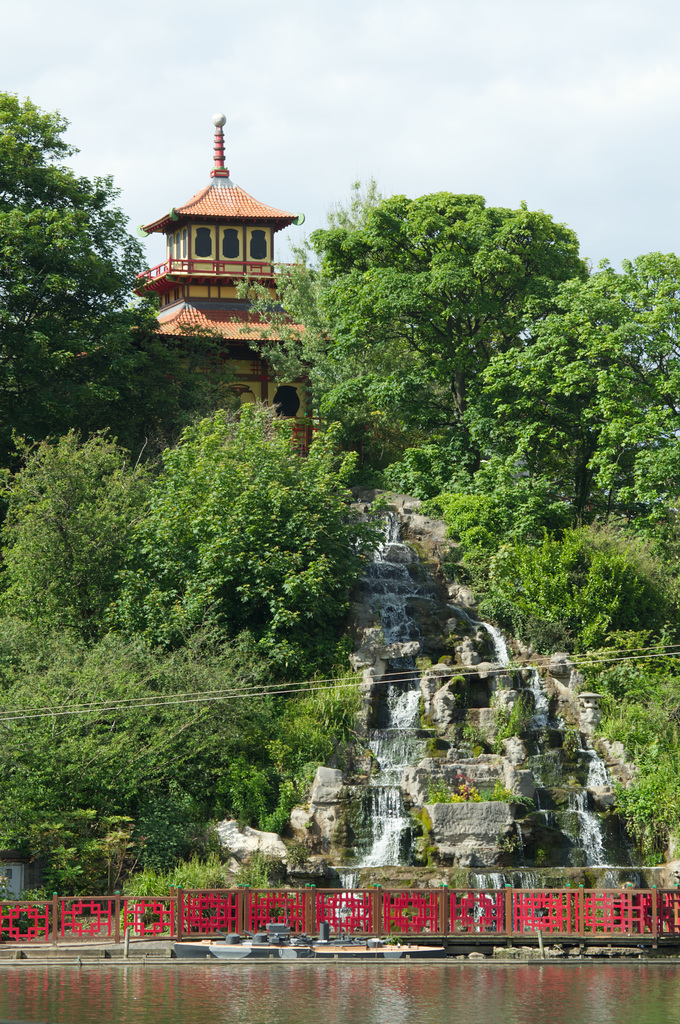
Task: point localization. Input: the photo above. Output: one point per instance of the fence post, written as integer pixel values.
(655, 918)
(172, 898)
(180, 913)
(310, 905)
(581, 912)
(55, 919)
(508, 912)
(116, 911)
(376, 910)
(444, 901)
(240, 927)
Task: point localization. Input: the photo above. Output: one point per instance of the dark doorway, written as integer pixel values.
(286, 400)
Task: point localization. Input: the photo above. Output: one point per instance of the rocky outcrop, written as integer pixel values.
(471, 834)
(325, 802)
(564, 671)
(590, 715)
(373, 654)
(241, 842)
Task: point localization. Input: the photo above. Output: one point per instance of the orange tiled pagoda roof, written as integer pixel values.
(227, 323)
(224, 201)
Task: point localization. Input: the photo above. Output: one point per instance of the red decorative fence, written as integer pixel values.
(643, 914)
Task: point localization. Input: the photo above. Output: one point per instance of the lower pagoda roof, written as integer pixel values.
(233, 325)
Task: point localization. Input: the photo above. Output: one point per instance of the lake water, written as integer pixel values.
(445, 993)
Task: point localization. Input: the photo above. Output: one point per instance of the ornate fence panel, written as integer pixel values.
(578, 913)
(149, 917)
(617, 912)
(347, 910)
(206, 912)
(87, 919)
(411, 910)
(24, 922)
(477, 910)
(551, 911)
(284, 905)
(668, 911)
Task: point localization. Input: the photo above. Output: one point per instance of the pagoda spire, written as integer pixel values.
(219, 170)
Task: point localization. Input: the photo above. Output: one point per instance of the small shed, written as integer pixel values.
(19, 872)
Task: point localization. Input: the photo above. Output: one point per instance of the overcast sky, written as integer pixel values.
(572, 106)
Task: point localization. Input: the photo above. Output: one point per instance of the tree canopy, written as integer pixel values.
(243, 534)
(75, 351)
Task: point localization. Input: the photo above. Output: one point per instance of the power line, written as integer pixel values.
(208, 696)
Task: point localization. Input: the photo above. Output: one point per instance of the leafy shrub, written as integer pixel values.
(243, 535)
(641, 710)
(591, 584)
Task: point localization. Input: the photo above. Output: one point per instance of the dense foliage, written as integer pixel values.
(243, 535)
(642, 711)
(461, 353)
(156, 746)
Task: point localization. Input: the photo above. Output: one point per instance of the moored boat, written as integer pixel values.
(277, 943)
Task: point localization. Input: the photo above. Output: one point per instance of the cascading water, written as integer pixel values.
(397, 744)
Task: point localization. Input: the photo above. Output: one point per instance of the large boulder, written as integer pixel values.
(467, 653)
(242, 842)
(471, 834)
(443, 707)
(483, 772)
(326, 788)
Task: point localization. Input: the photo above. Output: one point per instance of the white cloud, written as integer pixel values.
(570, 106)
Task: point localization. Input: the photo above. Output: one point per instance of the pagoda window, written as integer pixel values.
(203, 245)
(258, 245)
(231, 246)
(171, 246)
(184, 244)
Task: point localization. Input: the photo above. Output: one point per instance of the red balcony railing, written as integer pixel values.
(210, 268)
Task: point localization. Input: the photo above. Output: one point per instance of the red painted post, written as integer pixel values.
(173, 911)
(507, 922)
(444, 904)
(240, 914)
(655, 918)
(116, 911)
(180, 913)
(581, 911)
(376, 910)
(55, 920)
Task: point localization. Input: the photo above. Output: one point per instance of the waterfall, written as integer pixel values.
(396, 745)
(589, 829)
(489, 880)
(393, 587)
(500, 648)
(541, 705)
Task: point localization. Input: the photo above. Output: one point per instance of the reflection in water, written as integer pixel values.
(447, 993)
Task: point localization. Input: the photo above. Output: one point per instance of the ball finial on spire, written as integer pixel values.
(219, 170)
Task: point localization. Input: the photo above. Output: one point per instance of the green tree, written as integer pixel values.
(71, 512)
(74, 352)
(436, 286)
(245, 535)
(592, 403)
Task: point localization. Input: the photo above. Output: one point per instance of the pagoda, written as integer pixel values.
(215, 241)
